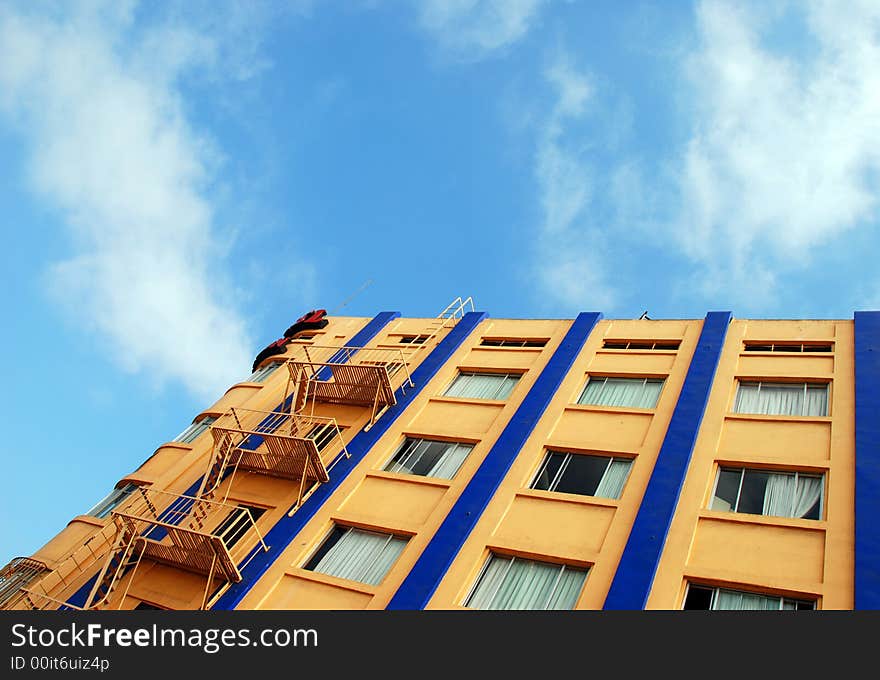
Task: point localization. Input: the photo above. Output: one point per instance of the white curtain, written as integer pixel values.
(449, 462)
(633, 392)
(361, 556)
(817, 400)
(511, 583)
(782, 399)
(613, 479)
(482, 386)
(448, 457)
(790, 495)
(732, 599)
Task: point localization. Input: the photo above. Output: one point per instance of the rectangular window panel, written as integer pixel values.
(587, 475)
(413, 339)
(626, 392)
(357, 555)
(701, 597)
(639, 345)
(512, 342)
(789, 347)
(237, 523)
(262, 373)
(482, 385)
(190, 434)
(114, 498)
(322, 434)
(429, 458)
(517, 583)
(765, 492)
(782, 399)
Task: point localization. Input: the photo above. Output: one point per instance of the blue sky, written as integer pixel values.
(182, 180)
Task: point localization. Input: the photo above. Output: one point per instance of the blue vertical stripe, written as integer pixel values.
(287, 528)
(867, 426)
(638, 564)
(361, 338)
(435, 560)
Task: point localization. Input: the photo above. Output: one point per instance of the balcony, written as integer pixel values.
(285, 445)
(353, 376)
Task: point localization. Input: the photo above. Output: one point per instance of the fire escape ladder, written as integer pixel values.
(126, 554)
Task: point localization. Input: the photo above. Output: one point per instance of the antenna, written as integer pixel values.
(351, 297)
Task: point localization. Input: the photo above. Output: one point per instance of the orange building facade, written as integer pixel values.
(467, 462)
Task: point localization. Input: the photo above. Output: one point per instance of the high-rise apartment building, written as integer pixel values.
(470, 462)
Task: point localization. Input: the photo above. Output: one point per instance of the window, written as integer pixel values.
(482, 385)
(629, 392)
(114, 498)
(391, 367)
(782, 399)
(763, 492)
(17, 575)
(587, 475)
(514, 342)
(414, 339)
(322, 434)
(237, 523)
(191, 433)
(264, 372)
(789, 347)
(146, 606)
(700, 597)
(642, 344)
(357, 555)
(517, 583)
(429, 458)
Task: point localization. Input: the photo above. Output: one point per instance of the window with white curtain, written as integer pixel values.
(782, 399)
(702, 597)
(190, 434)
(517, 583)
(357, 555)
(768, 492)
(587, 475)
(114, 498)
(472, 385)
(264, 372)
(627, 392)
(429, 458)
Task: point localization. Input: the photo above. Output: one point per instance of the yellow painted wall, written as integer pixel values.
(570, 529)
(795, 557)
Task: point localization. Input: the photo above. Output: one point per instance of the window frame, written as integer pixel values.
(569, 455)
(261, 374)
(510, 561)
(774, 471)
(104, 507)
(502, 381)
(667, 345)
(514, 343)
(716, 589)
(188, 439)
(806, 385)
(417, 441)
(758, 346)
(316, 556)
(605, 378)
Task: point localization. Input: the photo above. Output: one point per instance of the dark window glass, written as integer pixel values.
(751, 498)
(698, 598)
(582, 475)
(727, 490)
(549, 471)
(331, 540)
(237, 524)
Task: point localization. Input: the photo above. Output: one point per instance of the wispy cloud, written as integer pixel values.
(473, 29)
(785, 151)
(571, 247)
(112, 150)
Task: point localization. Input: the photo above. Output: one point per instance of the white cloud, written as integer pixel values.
(476, 28)
(110, 148)
(571, 248)
(786, 150)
